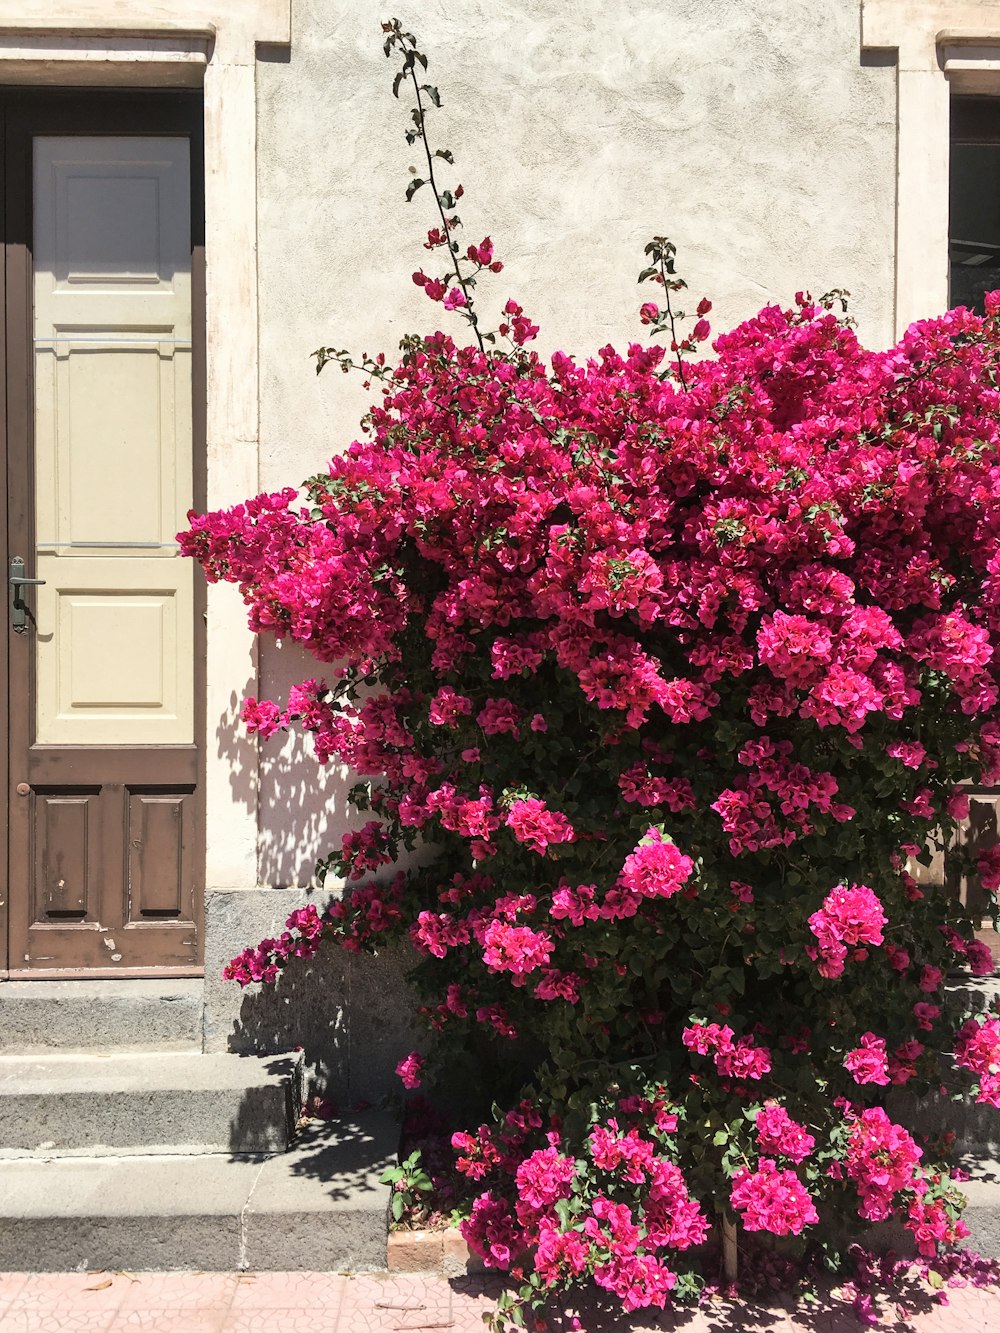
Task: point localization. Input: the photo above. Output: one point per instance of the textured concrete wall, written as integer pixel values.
(752, 133)
(350, 1012)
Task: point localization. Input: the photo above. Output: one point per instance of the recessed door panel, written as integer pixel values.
(67, 856)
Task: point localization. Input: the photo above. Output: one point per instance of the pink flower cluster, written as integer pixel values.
(624, 1245)
(533, 824)
(882, 1160)
(778, 1133)
(771, 807)
(739, 1058)
(977, 1048)
(848, 919)
(869, 1063)
(773, 1200)
(656, 868)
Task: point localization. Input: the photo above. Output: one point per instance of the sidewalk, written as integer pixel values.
(393, 1303)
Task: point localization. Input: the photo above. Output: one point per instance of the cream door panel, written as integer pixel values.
(112, 314)
(115, 646)
(113, 453)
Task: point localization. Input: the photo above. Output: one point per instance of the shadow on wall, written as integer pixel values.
(350, 1014)
(301, 806)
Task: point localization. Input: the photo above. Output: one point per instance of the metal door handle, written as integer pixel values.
(17, 581)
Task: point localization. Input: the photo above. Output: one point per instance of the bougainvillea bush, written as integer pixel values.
(674, 661)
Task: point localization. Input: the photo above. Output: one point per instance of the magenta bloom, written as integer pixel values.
(409, 1068)
(536, 826)
(656, 868)
(869, 1063)
(772, 1200)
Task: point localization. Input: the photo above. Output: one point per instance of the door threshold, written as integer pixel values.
(101, 973)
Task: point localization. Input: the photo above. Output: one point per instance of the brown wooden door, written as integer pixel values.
(104, 357)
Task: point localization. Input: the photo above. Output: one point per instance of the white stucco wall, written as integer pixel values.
(754, 134)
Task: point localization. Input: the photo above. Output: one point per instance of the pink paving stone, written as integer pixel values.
(53, 1321)
(173, 1291)
(83, 1292)
(291, 1321)
(169, 1321)
(288, 1291)
(396, 1303)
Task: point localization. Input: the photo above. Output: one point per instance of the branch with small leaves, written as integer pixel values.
(373, 367)
(459, 296)
(662, 269)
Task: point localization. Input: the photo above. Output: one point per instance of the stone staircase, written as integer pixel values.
(124, 1146)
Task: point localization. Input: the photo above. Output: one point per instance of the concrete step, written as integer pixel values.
(121, 1014)
(982, 1216)
(319, 1204)
(147, 1103)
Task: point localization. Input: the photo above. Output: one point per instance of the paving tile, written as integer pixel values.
(288, 1291)
(10, 1285)
(396, 1302)
(62, 1292)
(176, 1291)
(291, 1321)
(59, 1321)
(411, 1303)
(174, 1320)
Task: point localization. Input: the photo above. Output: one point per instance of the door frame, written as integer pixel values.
(69, 111)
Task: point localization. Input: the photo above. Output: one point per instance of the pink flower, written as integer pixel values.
(777, 1132)
(882, 1159)
(536, 826)
(977, 1048)
(492, 1232)
(910, 753)
(649, 312)
(515, 949)
(869, 1062)
(930, 978)
(655, 868)
(849, 917)
(482, 253)
(409, 1068)
(455, 299)
(772, 1200)
(543, 1177)
(988, 865)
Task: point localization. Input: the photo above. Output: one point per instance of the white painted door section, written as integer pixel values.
(112, 362)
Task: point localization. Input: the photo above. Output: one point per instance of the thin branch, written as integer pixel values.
(411, 65)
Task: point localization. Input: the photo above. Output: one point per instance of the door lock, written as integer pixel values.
(17, 581)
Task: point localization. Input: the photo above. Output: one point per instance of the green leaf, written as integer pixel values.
(398, 1206)
(413, 187)
(432, 93)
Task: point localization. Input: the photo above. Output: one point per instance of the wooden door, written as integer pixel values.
(104, 391)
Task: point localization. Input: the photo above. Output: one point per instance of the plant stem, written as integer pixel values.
(730, 1250)
(673, 326)
(444, 221)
